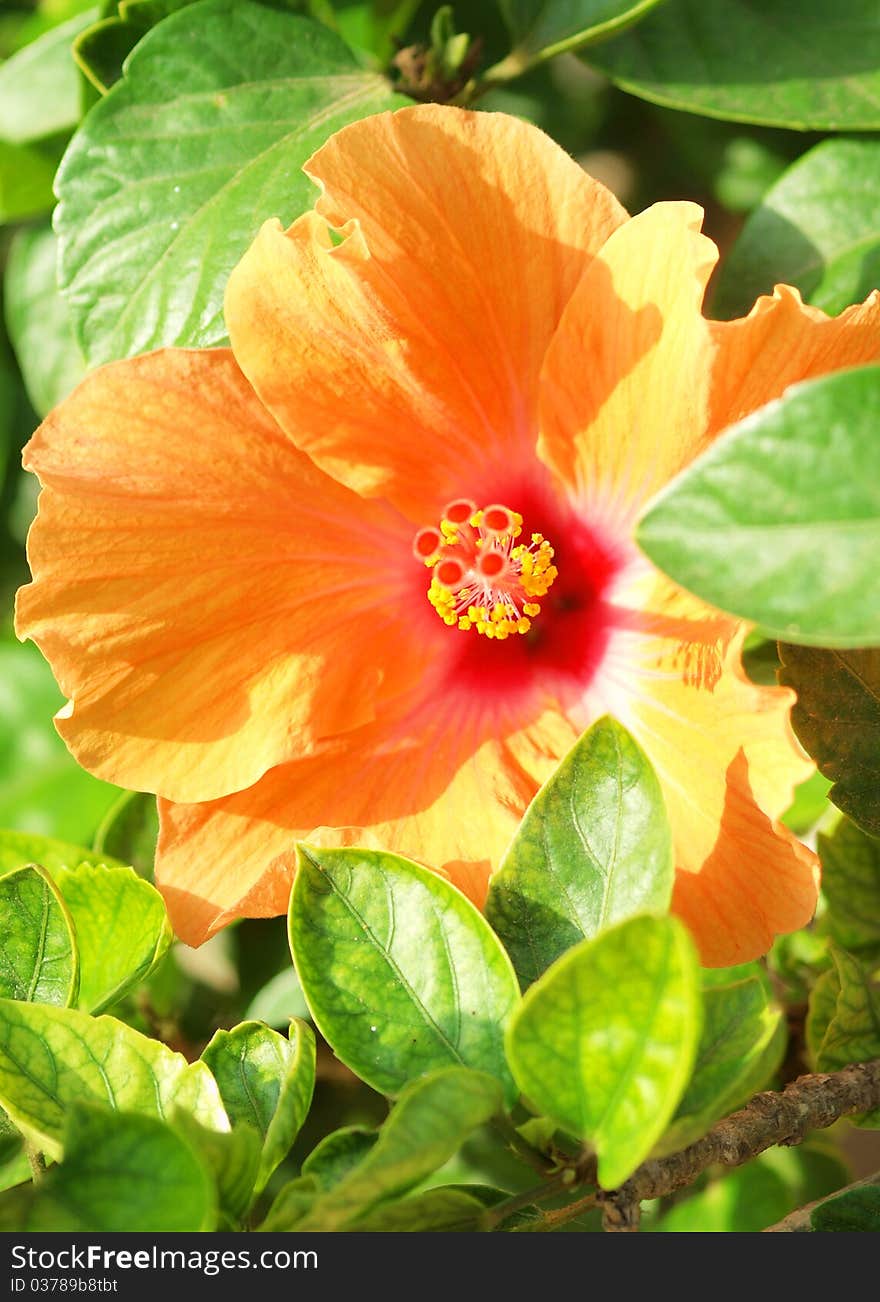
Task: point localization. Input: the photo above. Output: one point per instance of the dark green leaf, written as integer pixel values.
(122, 930)
(266, 1082)
(232, 1157)
(290, 1205)
(39, 85)
(818, 228)
(837, 719)
(605, 1040)
(851, 885)
(174, 171)
(337, 1154)
(52, 1058)
(38, 320)
(42, 788)
(102, 49)
(543, 28)
(129, 832)
(429, 1122)
(38, 952)
(401, 972)
(853, 1033)
(857, 1210)
(121, 1173)
(786, 63)
(796, 485)
(594, 848)
(733, 1058)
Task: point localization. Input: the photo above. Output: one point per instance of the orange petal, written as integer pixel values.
(624, 390)
(405, 360)
(200, 587)
(442, 797)
(728, 764)
(783, 341)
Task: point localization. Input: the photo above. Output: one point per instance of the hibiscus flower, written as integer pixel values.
(366, 576)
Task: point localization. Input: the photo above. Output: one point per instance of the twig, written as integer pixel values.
(809, 1103)
(566, 1179)
(37, 1162)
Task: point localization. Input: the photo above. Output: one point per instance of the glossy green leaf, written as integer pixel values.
(856, 1211)
(594, 848)
(279, 1000)
(122, 930)
(52, 1058)
(837, 719)
(851, 885)
(42, 788)
(39, 85)
(266, 1082)
(130, 830)
(543, 28)
(337, 1154)
(853, 1033)
(605, 1040)
(20, 848)
(121, 1173)
(817, 228)
(38, 320)
(733, 1059)
(796, 487)
(231, 1157)
(429, 1122)
(38, 952)
(401, 972)
(174, 171)
(786, 63)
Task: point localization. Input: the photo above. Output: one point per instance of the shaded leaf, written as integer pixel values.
(594, 847)
(232, 1158)
(797, 484)
(401, 972)
(129, 832)
(853, 1033)
(851, 885)
(279, 1000)
(857, 1210)
(543, 28)
(38, 951)
(337, 1154)
(605, 1040)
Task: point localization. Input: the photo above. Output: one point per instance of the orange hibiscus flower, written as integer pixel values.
(367, 576)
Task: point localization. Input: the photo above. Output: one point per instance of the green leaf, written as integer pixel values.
(821, 1009)
(173, 172)
(401, 972)
(265, 1081)
(544, 28)
(122, 930)
(429, 1122)
(337, 1154)
(121, 1173)
(279, 1000)
(38, 952)
(853, 1033)
(372, 25)
(733, 1059)
(39, 85)
(52, 1058)
(26, 176)
(837, 719)
(795, 486)
(290, 1205)
(594, 848)
(231, 1156)
(42, 788)
(605, 1040)
(785, 63)
(38, 320)
(857, 1210)
(436, 1211)
(851, 885)
(20, 848)
(818, 228)
(130, 830)
(101, 50)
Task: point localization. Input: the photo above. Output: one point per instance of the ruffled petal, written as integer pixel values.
(781, 342)
(405, 359)
(442, 796)
(728, 763)
(624, 391)
(210, 601)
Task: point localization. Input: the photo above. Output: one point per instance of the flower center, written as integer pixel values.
(483, 579)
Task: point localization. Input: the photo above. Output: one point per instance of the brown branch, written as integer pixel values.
(809, 1103)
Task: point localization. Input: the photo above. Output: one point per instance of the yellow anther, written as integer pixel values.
(531, 608)
(464, 623)
(523, 625)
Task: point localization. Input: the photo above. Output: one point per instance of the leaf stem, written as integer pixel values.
(37, 1162)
